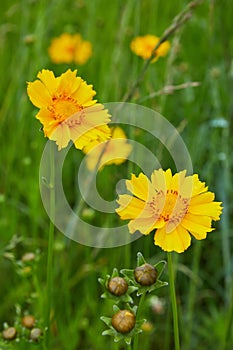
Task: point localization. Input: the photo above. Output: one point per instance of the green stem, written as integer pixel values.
(173, 300)
(141, 302)
(49, 286)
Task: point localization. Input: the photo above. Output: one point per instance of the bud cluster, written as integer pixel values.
(126, 321)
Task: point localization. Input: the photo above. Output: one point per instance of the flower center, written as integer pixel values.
(170, 207)
(150, 48)
(63, 107)
(171, 199)
(70, 49)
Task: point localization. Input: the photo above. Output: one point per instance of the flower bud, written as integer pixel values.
(28, 321)
(146, 275)
(123, 321)
(9, 333)
(147, 326)
(35, 334)
(117, 286)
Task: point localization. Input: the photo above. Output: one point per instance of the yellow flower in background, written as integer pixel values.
(143, 46)
(68, 48)
(176, 206)
(113, 151)
(67, 109)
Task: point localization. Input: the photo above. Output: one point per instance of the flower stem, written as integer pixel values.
(49, 285)
(141, 302)
(173, 300)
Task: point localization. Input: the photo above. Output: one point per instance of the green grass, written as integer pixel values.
(201, 51)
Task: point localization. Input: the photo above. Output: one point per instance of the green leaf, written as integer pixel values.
(160, 266)
(140, 259)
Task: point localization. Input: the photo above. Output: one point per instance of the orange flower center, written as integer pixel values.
(63, 107)
(171, 207)
(149, 48)
(70, 49)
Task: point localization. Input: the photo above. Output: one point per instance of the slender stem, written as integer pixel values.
(141, 302)
(173, 300)
(49, 286)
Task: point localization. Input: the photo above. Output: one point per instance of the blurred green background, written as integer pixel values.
(200, 51)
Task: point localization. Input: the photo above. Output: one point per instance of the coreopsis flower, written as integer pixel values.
(68, 48)
(143, 46)
(176, 206)
(67, 109)
(114, 151)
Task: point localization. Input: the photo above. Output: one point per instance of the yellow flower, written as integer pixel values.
(67, 109)
(69, 48)
(143, 46)
(176, 206)
(114, 151)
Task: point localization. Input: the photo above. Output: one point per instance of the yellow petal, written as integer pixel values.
(160, 179)
(38, 94)
(199, 235)
(61, 135)
(92, 126)
(163, 49)
(141, 224)
(196, 223)
(202, 198)
(118, 133)
(131, 207)
(212, 210)
(83, 52)
(198, 186)
(69, 83)
(48, 79)
(45, 118)
(187, 187)
(140, 187)
(85, 137)
(113, 151)
(178, 240)
(96, 116)
(84, 94)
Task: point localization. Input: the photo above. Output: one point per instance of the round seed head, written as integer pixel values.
(146, 275)
(28, 321)
(9, 333)
(35, 334)
(123, 321)
(117, 286)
